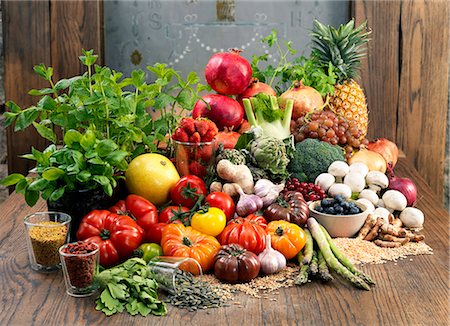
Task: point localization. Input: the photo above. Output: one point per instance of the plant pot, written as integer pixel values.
(78, 203)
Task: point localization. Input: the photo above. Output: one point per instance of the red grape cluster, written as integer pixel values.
(310, 191)
(325, 125)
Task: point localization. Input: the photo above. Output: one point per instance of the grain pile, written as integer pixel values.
(366, 252)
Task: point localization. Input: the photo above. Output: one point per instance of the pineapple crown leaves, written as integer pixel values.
(342, 47)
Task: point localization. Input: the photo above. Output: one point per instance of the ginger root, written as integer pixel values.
(374, 231)
(234, 173)
(387, 244)
(368, 225)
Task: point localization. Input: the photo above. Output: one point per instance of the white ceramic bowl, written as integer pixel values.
(340, 226)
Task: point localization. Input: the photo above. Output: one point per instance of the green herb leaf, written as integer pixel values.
(25, 118)
(105, 147)
(45, 132)
(38, 185)
(43, 71)
(21, 186)
(88, 140)
(13, 107)
(52, 174)
(31, 197)
(71, 137)
(57, 194)
(40, 157)
(11, 179)
(116, 157)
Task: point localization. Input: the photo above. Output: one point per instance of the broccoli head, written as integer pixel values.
(313, 157)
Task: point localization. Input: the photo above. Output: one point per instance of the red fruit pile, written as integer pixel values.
(310, 191)
(195, 131)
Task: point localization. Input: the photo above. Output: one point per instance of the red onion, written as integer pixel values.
(228, 73)
(404, 185)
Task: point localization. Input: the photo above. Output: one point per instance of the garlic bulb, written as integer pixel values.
(272, 261)
(267, 191)
(248, 204)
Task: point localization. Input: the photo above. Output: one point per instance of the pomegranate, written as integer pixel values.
(306, 99)
(386, 148)
(228, 73)
(255, 88)
(224, 111)
(227, 138)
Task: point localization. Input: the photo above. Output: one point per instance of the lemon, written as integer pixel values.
(151, 176)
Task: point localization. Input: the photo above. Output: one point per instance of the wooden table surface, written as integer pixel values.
(410, 292)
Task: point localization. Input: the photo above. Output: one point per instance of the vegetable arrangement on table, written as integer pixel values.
(242, 208)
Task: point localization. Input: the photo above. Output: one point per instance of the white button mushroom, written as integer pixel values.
(359, 167)
(339, 169)
(340, 189)
(412, 217)
(367, 203)
(325, 180)
(383, 213)
(355, 181)
(377, 180)
(369, 195)
(394, 200)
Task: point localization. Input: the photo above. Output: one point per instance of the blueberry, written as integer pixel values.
(327, 202)
(338, 209)
(330, 210)
(345, 205)
(339, 198)
(354, 210)
(319, 209)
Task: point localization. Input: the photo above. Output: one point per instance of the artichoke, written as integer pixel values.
(270, 154)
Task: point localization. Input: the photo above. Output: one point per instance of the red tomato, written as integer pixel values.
(171, 214)
(223, 201)
(154, 233)
(187, 191)
(249, 232)
(119, 208)
(116, 235)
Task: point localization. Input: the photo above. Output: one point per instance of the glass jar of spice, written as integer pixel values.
(46, 232)
(80, 264)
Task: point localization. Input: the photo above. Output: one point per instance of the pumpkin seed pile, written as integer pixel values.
(194, 294)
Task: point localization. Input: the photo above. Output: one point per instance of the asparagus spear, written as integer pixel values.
(332, 261)
(308, 249)
(324, 272)
(313, 268)
(344, 259)
(302, 277)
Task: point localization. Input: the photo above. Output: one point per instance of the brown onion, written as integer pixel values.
(373, 160)
(386, 148)
(306, 99)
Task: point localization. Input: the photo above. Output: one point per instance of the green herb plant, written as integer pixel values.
(291, 69)
(129, 287)
(97, 123)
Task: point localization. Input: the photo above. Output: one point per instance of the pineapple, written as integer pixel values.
(343, 48)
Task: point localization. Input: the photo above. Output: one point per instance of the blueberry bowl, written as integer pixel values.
(343, 225)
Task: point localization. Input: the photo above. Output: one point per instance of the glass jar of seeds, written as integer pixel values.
(46, 232)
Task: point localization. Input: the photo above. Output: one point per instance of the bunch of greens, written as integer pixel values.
(129, 287)
(85, 162)
(281, 77)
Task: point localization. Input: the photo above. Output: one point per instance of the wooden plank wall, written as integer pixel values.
(50, 32)
(405, 78)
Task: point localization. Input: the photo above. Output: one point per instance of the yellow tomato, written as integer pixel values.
(211, 222)
(151, 176)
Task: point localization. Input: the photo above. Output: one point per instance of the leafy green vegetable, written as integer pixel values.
(307, 70)
(312, 157)
(263, 111)
(129, 287)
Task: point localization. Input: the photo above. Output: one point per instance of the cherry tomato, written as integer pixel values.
(223, 201)
(187, 191)
(147, 251)
(211, 222)
(173, 214)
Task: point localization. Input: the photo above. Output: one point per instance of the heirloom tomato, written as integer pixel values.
(233, 264)
(187, 191)
(116, 235)
(154, 233)
(248, 232)
(288, 238)
(180, 241)
(210, 222)
(223, 201)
